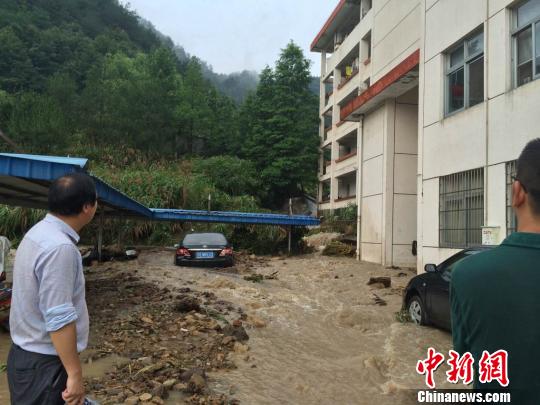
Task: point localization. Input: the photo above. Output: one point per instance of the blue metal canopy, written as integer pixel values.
(25, 180)
(233, 217)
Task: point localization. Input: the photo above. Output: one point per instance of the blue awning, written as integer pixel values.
(25, 180)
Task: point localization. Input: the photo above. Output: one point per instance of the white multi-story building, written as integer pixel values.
(369, 121)
(440, 103)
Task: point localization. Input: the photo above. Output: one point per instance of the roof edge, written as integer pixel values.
(326, 25)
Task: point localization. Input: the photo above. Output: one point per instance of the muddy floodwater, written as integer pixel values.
(319, 334)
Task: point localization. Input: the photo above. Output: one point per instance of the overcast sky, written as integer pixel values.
(233, 35)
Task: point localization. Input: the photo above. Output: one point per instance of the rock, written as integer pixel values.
(256, 321)
(186, 375)
(186, 304)
(226, 340)
(145, 397)
(158, 400)
(150, 369)
(241, 348)
(196, 384)
(134, 400)
(180, 387)
(168, 384)
(238, 332)
(145, 360)
(252, 256)
(237, 322)
(158, 391)
(378, 300)
(385, 281)
(147, 319)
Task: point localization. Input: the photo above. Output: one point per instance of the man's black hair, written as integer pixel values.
(528, 173)
(70, 193)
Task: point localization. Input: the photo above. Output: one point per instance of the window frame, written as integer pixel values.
(516, 30)
(465, 195)
(468, 59)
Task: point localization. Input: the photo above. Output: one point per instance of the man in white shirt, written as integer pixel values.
(49, 320)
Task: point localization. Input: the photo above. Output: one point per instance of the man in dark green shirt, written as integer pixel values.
(495, 295)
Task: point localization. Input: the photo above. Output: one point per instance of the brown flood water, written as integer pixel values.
(325, 340)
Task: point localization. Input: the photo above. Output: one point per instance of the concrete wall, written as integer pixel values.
(487, 135)
(395, 34)
(388, 202)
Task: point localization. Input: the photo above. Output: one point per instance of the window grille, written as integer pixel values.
(461, 209)
(511, 220)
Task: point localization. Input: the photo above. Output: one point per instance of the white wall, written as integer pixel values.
(395, 35)
(487, 135)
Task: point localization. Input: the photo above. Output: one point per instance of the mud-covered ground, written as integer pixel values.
(311, 332)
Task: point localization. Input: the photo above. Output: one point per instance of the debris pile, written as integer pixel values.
(169, 339)
(320, 240)
(336, 248)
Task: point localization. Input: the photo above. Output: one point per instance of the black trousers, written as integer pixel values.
(35, 379)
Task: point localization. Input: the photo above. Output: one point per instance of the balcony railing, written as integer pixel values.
(345, 198)
(345, 157)
(348, 79)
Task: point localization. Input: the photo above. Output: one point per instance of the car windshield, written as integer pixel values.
(447, 271)
(205, 239)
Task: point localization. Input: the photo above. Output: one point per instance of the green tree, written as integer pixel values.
(134, 101)
(194, 109)
(38, 122)
(231, 175)
(280, 123)
(15, 64)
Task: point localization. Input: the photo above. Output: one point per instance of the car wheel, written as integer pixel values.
(417, 311)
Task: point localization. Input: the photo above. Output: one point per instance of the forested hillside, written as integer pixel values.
(88, 78)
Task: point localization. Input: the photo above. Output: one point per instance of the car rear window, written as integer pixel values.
(205, 239)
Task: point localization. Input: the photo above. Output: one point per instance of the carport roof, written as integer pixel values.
(25, 181)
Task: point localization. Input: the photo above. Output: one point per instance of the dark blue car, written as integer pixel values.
(204, 249)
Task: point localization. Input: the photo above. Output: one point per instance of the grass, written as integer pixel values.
(403, 316)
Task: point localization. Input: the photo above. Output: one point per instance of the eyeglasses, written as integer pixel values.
(528, 190)
(514, 178)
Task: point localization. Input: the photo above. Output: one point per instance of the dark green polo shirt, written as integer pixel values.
(495, 301)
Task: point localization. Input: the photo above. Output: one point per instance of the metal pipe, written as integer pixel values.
(100, 235)
(290, 227)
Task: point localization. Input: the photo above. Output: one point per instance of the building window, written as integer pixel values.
(465, 74)
(461, 209)
(365, 6)
(511, 219)
(526, 38)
